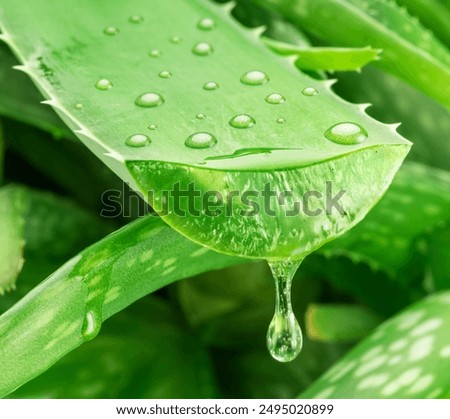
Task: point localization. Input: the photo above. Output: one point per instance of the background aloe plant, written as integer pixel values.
(135, 85)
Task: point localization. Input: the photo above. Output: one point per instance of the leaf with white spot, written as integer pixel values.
(403, 358)
(68, 308)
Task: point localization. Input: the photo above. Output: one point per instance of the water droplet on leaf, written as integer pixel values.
(284, 337)
(165, 74)
(79, 107)
(242, 121)
(281, 121)
(111, 30)
(275, 99)
(254, 78)
(91, 326)
(206, 24)
(200, 116)
(149, 100)
(175, 40)
(203, 49)
(211, 85)
(137, 140)
(152, 127)
(155, 53)
(309, 91)
(136, 19)
(201, 140)
(346, 133)
(103, 84)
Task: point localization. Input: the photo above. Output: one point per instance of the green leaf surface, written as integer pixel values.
(100, 281)
(326, 58)
(410, 51)
(417, 202)
(18, 91)
(433, 14)
(406, 357)
(11, 237)
(339, 322)
(150, 339)
(66, 58)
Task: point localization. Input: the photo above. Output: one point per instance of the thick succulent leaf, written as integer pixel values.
(326, 58)
(438, 247)
(409, 50)
(417, 202)
(68, 308)
(433, 14)
(39, 220)
(66, 58)
(339, 322)
(393, 100)
(112, 365)
(18, 91)
(406, 357)
(11, 236)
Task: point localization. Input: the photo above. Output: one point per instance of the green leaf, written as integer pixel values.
(404, 358)
(339, 322)
(416, 203)
(321, 58)
(433, 14)
(11, 237)
(438, 250)
(138, 354)
(39, 219)
(68, 308)
(18, 91)
(409, 50)
(67, 59)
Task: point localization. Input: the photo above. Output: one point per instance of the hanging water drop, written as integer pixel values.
(284, 337)
(91, 326)
(175, 40)
(155, 53)
(200, 116)
(201, 140)
(346, 133)
(211, 85)
(242, 121)
(254, 78)
(202, 49)
(149, 100)
(103, 84)
(165, 74)
(275, 99)
(309, 91)
(137, 140)
(206, 24)
(111, 30)
(136, 19)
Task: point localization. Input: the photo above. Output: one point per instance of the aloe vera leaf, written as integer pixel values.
(69, 164)
(326, 58)
(403, 358)
(150, 340)
(11, 237)
(438, 260)
(410, 51)
(339, 322)
(417, 202)
(393, 100)
(433, 14)
(2, 152)
(69, 82)
(18, 91)
(100, 281)
(36, 221)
